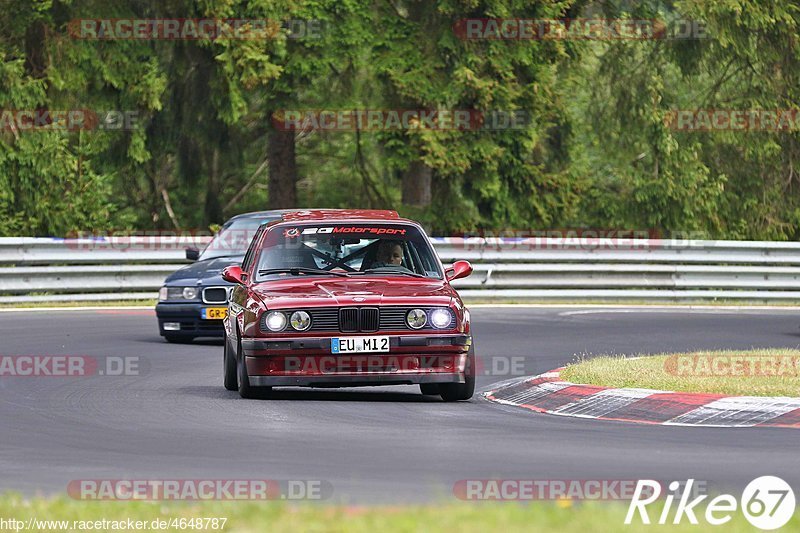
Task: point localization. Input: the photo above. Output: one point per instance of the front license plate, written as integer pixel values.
(359, 344)
(214, 313)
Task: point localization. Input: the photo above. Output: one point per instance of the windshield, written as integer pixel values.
(234, 238)
(347, 249)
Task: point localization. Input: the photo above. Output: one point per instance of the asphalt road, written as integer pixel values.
(376, 445)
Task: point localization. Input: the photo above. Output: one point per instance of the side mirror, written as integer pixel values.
(460, 269)
(233, 274)
(192, 254)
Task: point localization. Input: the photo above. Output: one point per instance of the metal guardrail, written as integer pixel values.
(51, 270)
(43, 251)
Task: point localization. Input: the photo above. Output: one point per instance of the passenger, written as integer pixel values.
(390, 253)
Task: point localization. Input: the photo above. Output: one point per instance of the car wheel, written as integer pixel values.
(429, 389)
(245, 389)
(454, 392)
(178, 339)
(229, 377)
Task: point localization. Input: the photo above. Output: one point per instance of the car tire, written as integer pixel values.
(178, 339)
(229, 377)
(455, 392)
(247, 391)
(429, 389)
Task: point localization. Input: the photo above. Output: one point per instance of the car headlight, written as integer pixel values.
(300, 320)
(177, 293)
(416, 318)
(441, 318)
(275, 321)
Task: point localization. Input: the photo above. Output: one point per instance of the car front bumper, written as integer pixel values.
(355, 380)
(308, 362)
(189, 316)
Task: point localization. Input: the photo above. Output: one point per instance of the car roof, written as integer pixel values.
(339, 214)
(275, 213)
(321, 214)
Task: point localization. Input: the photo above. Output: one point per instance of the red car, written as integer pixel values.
(344, 298)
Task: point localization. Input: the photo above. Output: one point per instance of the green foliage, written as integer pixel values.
(728, 184)
(46, 179)
(596, 149)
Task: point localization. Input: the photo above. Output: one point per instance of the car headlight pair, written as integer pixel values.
(439, 318)
(177, 293)
(276, 321)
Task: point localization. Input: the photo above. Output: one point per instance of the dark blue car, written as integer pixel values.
(194, 300)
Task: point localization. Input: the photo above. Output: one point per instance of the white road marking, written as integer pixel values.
(85, 308)
(603, 402)
(738, 411)
(687, 309)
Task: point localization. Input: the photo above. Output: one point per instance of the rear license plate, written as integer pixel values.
(359, 344)
(214, 313)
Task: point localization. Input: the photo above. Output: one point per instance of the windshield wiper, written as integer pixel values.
(296, 271)
(382, 271)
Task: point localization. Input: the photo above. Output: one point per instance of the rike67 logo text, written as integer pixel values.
(767, 502)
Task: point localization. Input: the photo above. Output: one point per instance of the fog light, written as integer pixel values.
(172, 326)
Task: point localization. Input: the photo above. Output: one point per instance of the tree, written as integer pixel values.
(479, 177)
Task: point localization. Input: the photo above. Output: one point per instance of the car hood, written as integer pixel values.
(314, 292)
(208, 272)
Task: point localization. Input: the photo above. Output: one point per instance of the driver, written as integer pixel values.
(390, 253)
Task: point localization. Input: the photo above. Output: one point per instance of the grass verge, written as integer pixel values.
(279, 516)
(758, 372)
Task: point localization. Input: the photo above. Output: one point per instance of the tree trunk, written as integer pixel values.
(35, 49)
(282, 188)
(213, 209)
(417, 185)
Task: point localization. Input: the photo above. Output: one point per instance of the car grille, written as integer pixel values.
(362, 319)
(324, 319)
(394, 318)
(202, 326)
(215, 295)
(368, 320)
(358, 319)
(348, 319)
